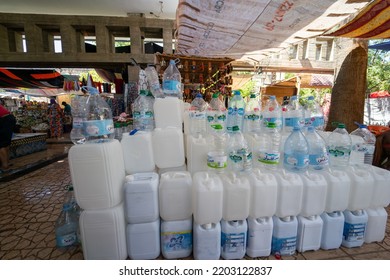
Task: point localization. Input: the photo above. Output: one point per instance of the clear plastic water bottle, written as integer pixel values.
(339, 147)
(216, 114)
(293, 115)
(143, 113)
(314, 116)
(216, 157)
(296, 152)
(78, 115)
(172, 80)
(367, 148)
(318, 154)
(66, 227)
(99, 125)
(236, 110)
(272, 112)
(252, 115)
(197, 115)
(71, 200)
(153, 81)
(238, 151)
(267, 147)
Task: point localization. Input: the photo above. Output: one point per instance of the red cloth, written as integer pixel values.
(3, 111)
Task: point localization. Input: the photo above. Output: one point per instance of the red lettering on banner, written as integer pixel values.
(279, 14)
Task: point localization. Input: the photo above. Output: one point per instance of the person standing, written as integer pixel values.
(55, 117)
(7, 125)
(67, 108)
(67, 117)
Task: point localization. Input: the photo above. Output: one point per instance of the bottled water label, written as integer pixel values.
(296, 162)
(339, 152)
(98, 127)
(278, 121)
(143, 115)
(292, 122)
(66, 239)
(171, 86)
(77, 122)
(236, 111)
(354, 232)
(252, 117)
(363, 148)
(318, 161)
(233, 242)
(197, 115)
(269, 157)
(216, 118)
(240, 155)
(176, 241)
(216, 160)
(315, 121)
(284, 246)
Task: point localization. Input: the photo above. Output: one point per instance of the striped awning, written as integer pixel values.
(372, 22)
(30, 78)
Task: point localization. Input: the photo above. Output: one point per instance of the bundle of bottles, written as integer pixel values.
(247, 179)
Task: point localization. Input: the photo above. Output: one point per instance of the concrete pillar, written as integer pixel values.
(311, 49)
(4, 40)
(69, 40)
(48, 41)
(135, 40)
(34, 38)
(102, 39)
(15, 40)
(167, 40)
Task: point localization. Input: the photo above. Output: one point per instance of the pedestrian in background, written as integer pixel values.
(7, 126)
(55, 118)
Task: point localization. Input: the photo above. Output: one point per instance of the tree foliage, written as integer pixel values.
(378, 70)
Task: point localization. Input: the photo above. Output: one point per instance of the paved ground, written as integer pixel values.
(31, 198)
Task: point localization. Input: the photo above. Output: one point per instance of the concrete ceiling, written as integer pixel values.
(165, 9)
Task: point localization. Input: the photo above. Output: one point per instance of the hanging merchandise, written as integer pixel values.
(339, 147)
(172, 80)
(293, 115)
(272, 112)
(314, 116)
(252, 115)
(99, 125)
(236, 109)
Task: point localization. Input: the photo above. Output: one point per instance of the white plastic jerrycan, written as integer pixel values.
(264, 193)
(381, 193)
(355, 225)
(309, 233)
(236, 196)
(376, 225)
(207, 198)
(314, 194)
(197, 149)
(168, 112)
(284, 236)
(259, 237)
(176, 238)
(233, 239)
(207, 241)
(168, 147)
(362, 188)
(339, 186)
(143, 240)
(332, 231)
(174, 193)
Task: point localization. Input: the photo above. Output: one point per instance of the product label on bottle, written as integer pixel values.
(197, 115)
(277, 121)
(216, 160)
(240, 155)
(232, 111)
(297, 161)
(292, 122)
(363, 148)
(216, 118)
(233, 242)
(252, 117)
(77, 122)
(171, 86)
(176, 241)
(143, 115)
(98, 127)
(318, 161)
(315, 121)
(269, 157)
(339, 152)
(284, 246)
(354, 232)
(66, 239)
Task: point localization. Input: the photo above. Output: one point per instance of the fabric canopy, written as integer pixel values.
(251, 30)
(30, 78)
(384, 46)
(372, 22)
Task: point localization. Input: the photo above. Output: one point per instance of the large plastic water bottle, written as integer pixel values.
(293, 115)
(366, 148)
(339, 147)
(153, 81)
(78, 115)
(66, 227)
(314, 115)
(236, 110)
(272, 112)
(216, 157)
(267, 147)
(252, 114)
(172, 80)
(99, 125)
(238, 151)
(197, 115)
(143, 113)
(296, 151)
(318, 154)
(216, 114)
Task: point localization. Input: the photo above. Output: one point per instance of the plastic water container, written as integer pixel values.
(381, 193)
(207, 241)
(339, 186)
(284, 236)
(98, 174)
(355, 225)
(332, 230)
(376, 225)
(138, 152)
(314, 194)
(290, 192)
(172, 169)
(143, 240)
(233, 239)
(236, 197)
(362, 188)
(174, 195)
(264, 194)
(168, 147)
(259, 237)
(141, 198)
(168, 112)
(103, 233)
(207, 198)
(176, 238)
(197, 149)
(309, 233)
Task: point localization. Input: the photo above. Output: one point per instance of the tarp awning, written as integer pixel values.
(30, 78)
